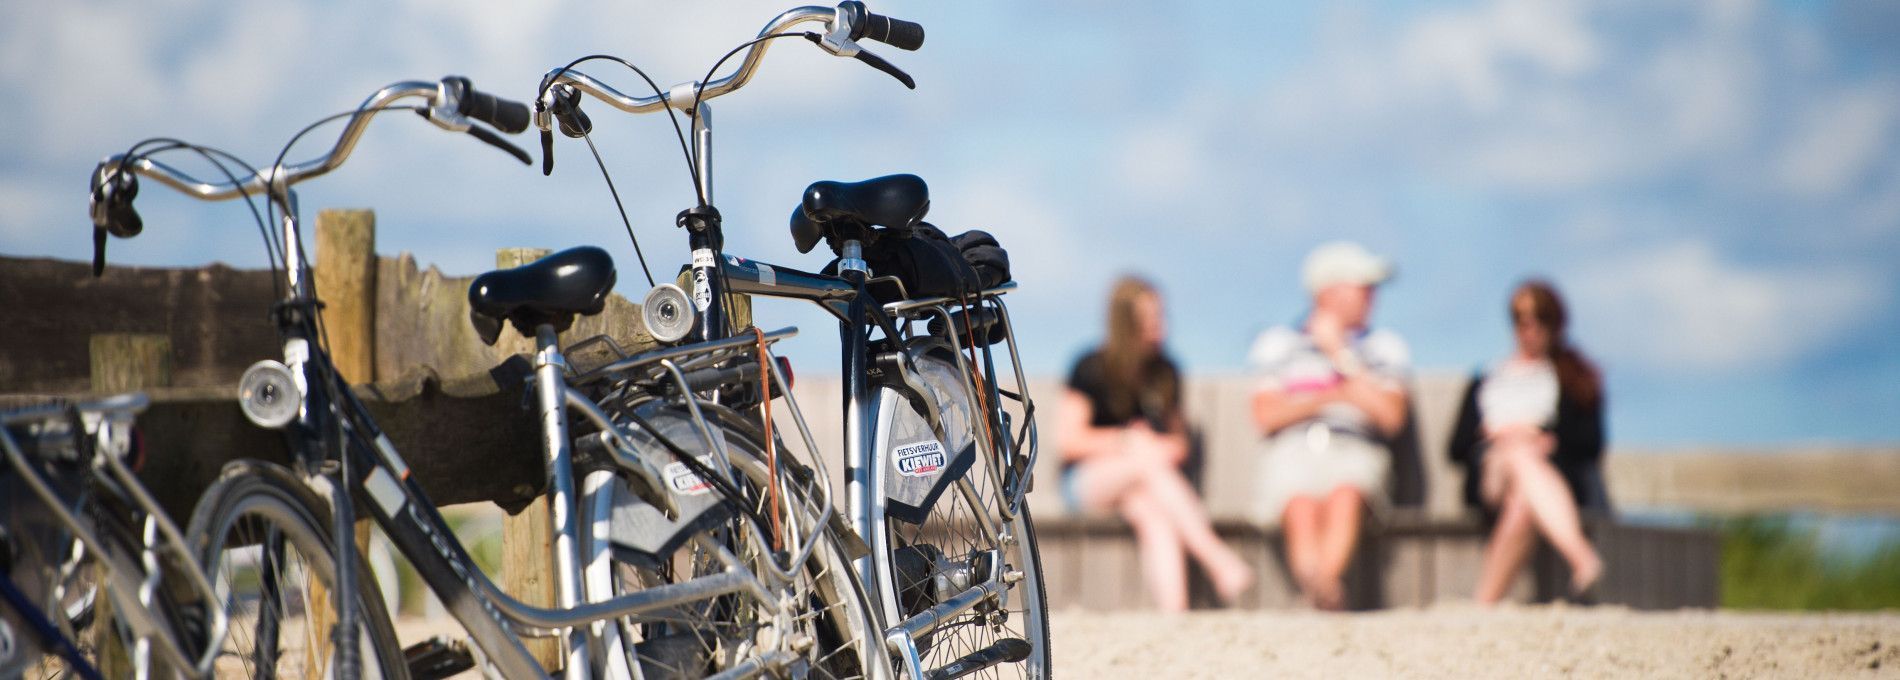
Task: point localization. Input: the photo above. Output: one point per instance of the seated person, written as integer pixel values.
(1123, 439)
(1530, 434)
(1331, 395)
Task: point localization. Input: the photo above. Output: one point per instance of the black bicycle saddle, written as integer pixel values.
(895, 202)
(551, 290)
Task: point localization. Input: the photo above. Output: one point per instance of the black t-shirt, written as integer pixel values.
(1090, 377)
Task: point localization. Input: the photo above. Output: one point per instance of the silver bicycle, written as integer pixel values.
(939, 454)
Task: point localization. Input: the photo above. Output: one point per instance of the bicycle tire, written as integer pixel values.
(843, 624)
(934, 544)
(231, 528)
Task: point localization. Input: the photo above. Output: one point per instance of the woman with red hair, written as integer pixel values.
(1530, 434)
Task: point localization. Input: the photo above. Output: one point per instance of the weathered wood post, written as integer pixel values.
(128, 361)
(122, 362)
(346, 280)
(527, 536)
(345, 272)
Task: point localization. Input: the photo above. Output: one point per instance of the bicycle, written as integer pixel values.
(90, 566)
(263, 527)
(920, 418)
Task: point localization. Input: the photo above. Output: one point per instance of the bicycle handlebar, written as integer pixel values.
(452, 102)
(845, 23)
(507, 115)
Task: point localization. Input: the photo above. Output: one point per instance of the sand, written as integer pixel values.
(1463, 641)
(1456, 641)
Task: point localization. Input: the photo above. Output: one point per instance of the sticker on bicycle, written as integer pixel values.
(684, 481)
(921, 459)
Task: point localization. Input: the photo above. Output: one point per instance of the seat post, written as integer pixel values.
(550, 388)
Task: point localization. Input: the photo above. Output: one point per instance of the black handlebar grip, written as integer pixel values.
(898, 33)
(507, 116)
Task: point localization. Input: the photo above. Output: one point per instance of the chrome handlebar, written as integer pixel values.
(441, 111)
(683, 96)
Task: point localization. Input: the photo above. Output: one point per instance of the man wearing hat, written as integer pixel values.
(1331, 395)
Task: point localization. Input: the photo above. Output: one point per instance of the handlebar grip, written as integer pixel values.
(507, 116)
(898, 33)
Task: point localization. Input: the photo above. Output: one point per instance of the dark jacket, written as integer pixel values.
(1579, 454)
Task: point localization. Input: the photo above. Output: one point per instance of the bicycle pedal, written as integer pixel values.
(437, 657)
(1006, 650)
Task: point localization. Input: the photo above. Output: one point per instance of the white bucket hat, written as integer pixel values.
(1340, 262)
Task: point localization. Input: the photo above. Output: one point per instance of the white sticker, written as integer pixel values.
(702, 290)
(383, 489)
(766, 275)
(684, 481)
(390, 456)
(703, 257)
(921, 459)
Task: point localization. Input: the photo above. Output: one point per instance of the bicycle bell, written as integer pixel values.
(668, 313)
(268, 395)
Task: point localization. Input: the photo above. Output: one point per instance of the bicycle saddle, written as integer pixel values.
(551, 290)
(896, 202)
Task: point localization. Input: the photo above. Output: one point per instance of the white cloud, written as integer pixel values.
(1682, 308)
(1158, 163)
(1467, 51)
(1838, 139)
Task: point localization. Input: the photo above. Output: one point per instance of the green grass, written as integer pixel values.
(1769, 564)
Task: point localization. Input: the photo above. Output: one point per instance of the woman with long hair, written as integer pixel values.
(1530, 434)
(1123, 439)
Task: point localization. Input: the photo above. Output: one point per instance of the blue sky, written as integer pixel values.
(1716, 185)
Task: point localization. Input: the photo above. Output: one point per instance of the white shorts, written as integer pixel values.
(1312, 460)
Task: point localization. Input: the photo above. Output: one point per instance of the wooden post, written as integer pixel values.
(527, 541)
(346, 283)
(122, 362)
(346, 280)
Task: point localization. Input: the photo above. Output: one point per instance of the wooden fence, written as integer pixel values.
(403, 332)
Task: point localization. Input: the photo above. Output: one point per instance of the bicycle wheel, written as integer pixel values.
(944, 541)
(829, 608)
(264, 539)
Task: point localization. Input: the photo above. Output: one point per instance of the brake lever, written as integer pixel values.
(856, 51)
(878, 63)
(98, 252)
(496, 141)
(547, 153)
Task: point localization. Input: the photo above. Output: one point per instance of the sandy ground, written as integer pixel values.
(1454, 641)
(1461, 641)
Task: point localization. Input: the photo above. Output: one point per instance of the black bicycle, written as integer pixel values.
(751, 579)
(939, 453)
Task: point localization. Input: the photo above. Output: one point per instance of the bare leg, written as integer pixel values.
(1534, 478)
(1510, 544)
(1172, 495)
(1301, 525)
(1342, 515)
(1163, 566)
